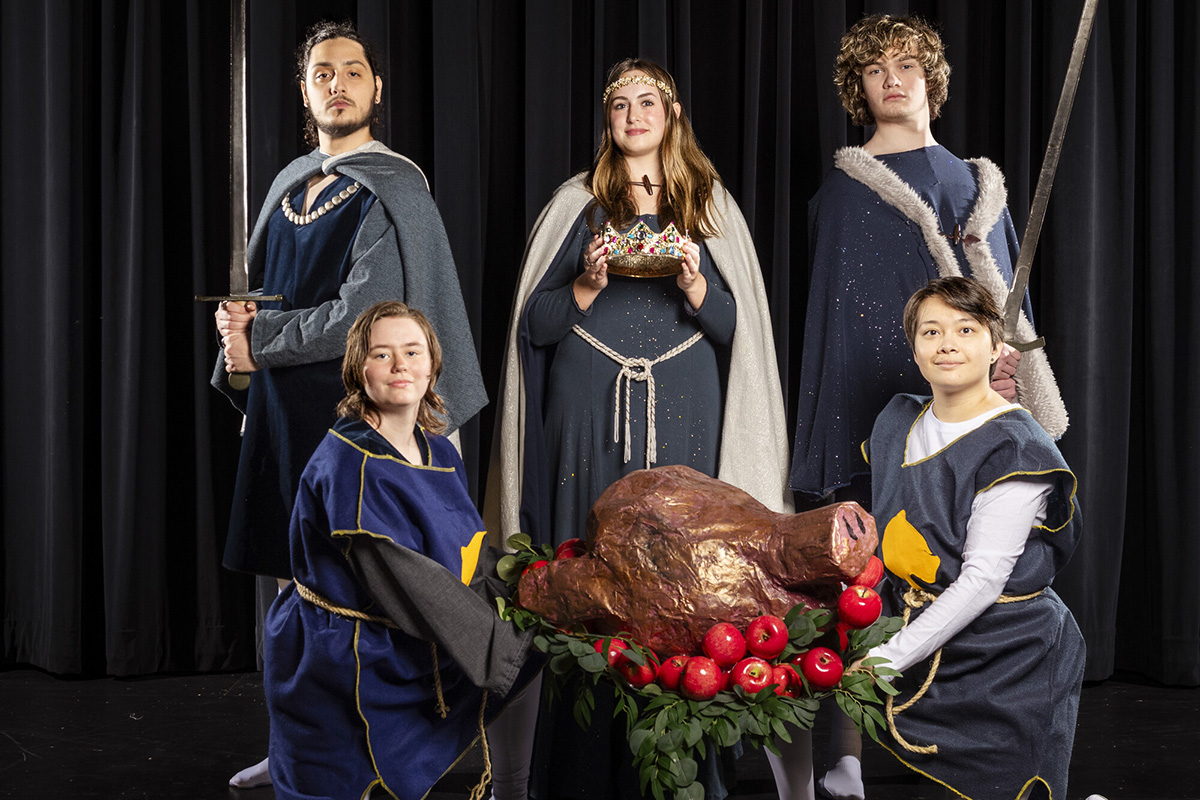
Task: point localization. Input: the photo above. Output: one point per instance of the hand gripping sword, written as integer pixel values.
(1041, 195)
(239, 270)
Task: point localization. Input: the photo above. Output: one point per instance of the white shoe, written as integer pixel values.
(1096, 797)
(258, 775)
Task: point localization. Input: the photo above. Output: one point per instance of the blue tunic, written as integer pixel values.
(352, 702)
(288, 409)
(1003, 703)
(867, 259)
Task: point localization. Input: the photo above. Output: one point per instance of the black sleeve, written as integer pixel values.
(426, 601)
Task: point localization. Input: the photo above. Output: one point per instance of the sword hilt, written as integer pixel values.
(239, 381)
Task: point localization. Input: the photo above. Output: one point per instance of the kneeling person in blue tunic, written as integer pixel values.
(385, 657)
(978, 514)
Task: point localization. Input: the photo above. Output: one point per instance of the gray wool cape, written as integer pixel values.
(405, 227)
(400, 252)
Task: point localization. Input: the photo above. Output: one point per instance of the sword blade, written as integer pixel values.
(1041, 195)
(239, 278)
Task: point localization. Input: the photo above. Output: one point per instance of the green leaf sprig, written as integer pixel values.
(669, 734)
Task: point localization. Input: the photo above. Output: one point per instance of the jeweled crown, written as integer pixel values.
(642, 240)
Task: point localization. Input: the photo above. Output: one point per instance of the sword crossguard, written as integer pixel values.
(237, 298)
(1025, 347)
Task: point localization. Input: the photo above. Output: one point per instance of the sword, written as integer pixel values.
(1041, 195)
(239, 269)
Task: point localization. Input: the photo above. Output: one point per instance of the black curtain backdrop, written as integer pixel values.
(118, 457)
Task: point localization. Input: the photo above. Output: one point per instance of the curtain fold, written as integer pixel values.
(118, 457)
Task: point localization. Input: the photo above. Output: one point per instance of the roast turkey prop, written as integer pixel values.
(672, 551)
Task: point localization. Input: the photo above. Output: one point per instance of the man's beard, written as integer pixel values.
(343, 126)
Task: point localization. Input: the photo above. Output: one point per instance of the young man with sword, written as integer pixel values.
(891, 216)
(345, 226)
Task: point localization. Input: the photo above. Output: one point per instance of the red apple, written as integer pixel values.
(835, 639)
(724, 644)
(871, 575)
(638, 675)
(859, 606)
(766, 636)
(535, 565)
(615, 646)
(571, 548)
(701, 679)
(843, 636)
(822, 668)
(752, 674)
(786, 680)
(670, 672)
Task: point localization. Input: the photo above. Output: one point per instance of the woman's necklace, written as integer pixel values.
(645, 181)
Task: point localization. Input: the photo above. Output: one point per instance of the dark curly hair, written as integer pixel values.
(870, 37)
(322, 32)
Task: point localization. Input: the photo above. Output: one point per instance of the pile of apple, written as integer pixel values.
(753, 659)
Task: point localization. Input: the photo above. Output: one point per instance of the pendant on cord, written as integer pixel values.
(645, 181)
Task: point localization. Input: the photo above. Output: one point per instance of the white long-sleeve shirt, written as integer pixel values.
(1001, 519)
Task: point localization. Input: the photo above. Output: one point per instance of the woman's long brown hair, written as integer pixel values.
(688, 176)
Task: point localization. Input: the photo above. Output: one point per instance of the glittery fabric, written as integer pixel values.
(752, 451)
(867, 259)
(753, 421)
(638, 318)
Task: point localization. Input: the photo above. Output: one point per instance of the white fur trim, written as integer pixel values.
(1037, 389)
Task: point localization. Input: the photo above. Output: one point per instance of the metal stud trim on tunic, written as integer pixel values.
(313, 216)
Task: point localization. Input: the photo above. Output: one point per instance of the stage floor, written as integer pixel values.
(183, 736)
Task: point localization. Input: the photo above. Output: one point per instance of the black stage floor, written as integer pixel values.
(183, 736)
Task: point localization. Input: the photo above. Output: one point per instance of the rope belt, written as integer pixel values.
(915, 598)
(351, 613)
(635, 369)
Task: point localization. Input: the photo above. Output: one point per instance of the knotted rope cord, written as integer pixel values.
(486, 778)
(351, 613)
(915, 598)
(635, 369)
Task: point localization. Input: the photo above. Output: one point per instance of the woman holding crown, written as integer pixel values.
(608, 373)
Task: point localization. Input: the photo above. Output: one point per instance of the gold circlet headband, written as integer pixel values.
(643, 79)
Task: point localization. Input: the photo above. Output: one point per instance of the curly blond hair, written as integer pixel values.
(865, 41)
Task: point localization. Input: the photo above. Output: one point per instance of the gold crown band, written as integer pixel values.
(642, 79)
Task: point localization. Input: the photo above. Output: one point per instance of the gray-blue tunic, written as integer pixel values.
(1003, 703)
